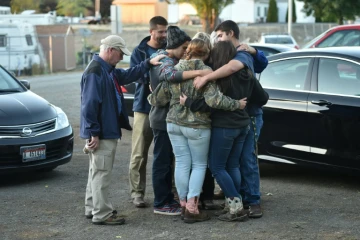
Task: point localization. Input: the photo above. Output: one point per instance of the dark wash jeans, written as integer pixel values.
(249, 167)
(162, 168)
(225, 150)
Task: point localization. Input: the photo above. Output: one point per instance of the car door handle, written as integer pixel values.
(321, 103)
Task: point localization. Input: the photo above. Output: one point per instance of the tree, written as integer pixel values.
(208, 11)
(47, 5)
(18, 6)
(73, 7)
(5, 3)
(104, 7)
(272, 15)
(332, 10)
(293, 12)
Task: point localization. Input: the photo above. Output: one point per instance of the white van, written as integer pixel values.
(18, 46)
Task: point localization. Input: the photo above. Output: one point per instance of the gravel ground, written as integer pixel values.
(298, 203)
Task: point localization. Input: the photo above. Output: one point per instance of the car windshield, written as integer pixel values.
(312, 42)
(8, 84)
(279, 40)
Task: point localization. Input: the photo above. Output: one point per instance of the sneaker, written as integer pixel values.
(168, 209)
(112, 220)
(174, 203)
(139, 202)
(255, 211)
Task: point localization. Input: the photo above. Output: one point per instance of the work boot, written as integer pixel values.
(255, 211)
(192, 213)
(183, 207)
(236, 211)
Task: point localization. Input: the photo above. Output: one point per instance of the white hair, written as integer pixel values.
(104, 47)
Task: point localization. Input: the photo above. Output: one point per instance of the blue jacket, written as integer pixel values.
(142, 83)
(260, 63)
(103, 113)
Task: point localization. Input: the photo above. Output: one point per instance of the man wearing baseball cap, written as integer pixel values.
(103, 114)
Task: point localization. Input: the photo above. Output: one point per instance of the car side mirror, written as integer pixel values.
(26, 83)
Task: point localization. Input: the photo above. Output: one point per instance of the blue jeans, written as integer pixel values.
(249, 167)
(162, 169)
(225, 150)
(191, 147)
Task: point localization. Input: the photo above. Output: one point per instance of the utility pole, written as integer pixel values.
(97, 9)
(290, 10)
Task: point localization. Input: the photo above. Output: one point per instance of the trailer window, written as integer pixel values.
(3, 41)
(29, 40)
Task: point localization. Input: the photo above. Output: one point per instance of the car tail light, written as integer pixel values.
(123, 89)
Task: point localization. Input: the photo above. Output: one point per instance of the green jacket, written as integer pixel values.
(170, 92)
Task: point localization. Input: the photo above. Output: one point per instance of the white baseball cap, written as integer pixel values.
(115, 41)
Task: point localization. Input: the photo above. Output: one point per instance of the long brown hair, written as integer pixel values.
(197, 48)
(221, 54)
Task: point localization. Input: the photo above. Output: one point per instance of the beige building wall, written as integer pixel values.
(141, 11)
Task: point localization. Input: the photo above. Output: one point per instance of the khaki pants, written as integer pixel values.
(141, 140)
(97, 189)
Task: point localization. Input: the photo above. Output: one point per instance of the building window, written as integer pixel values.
(265, 11)
(3, 41)
(258, 11)
(29, 40)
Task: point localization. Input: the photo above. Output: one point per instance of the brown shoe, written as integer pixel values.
(139, 202)
(192, 217)
(255, 211)
(239, 216)
(219, 195)
(182, 213)
(112, 220)
(209, 205)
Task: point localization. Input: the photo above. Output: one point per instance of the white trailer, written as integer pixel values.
(18, 46)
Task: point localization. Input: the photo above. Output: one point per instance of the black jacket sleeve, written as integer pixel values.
(197, 105)
(258, 96)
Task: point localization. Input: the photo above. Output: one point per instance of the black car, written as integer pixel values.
(313, 114)
(34, 134)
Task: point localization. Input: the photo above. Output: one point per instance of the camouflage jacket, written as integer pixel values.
(170, 92)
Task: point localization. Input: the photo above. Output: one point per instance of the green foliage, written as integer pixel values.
(332, 10)
(208, 11)
(272, 15)
(47, 5)
(293, 12)
(18, 6)
(72, 7)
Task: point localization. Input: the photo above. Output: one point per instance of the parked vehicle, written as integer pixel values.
(344, 35)
(313, 114)
(279, 38)
(34, 134)
(18, 46)
(271, 49)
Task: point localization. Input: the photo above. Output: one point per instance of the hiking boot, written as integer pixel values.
(236, 211)
(139, 202)
(192, 213)
(182, 213)
(241, 215)
(255, 211)
(168, 209)
(114, 219)
(195, 217)
(209, 205)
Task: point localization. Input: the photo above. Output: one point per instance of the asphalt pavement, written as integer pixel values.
(298, 203)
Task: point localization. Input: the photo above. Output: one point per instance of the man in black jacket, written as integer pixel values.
(142, 134)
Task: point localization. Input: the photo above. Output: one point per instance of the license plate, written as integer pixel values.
(33, 153)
